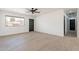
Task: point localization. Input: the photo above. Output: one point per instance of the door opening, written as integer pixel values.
(70, 22)
(31, 25)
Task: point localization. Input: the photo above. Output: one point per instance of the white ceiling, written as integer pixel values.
(47, 10)
(17, 10)
(25, 10)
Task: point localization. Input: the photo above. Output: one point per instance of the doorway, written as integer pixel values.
(70, 23)
(70, 27)
(31, 25)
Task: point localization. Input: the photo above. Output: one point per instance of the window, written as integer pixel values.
(14, 21)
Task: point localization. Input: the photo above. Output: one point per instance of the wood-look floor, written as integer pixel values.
(34, 41)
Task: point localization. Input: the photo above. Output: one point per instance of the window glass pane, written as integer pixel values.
(14, 21)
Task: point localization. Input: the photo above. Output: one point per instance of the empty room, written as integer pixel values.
(39, 29)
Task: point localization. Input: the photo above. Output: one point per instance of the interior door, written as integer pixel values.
(72, 25)
(31, 25)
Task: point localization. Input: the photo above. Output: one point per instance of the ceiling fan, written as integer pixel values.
(34, 10)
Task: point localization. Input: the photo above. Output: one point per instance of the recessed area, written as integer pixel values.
(70, 20)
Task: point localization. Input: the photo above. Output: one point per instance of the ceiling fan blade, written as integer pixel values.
(37, 12)
(36, 9)
(27, 9)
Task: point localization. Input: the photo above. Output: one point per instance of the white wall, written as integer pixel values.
(78, 23)
(51, 23)
(66, 25)
(12, 30)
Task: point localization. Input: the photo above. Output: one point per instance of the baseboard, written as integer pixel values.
(13, 34)
(50, 34)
